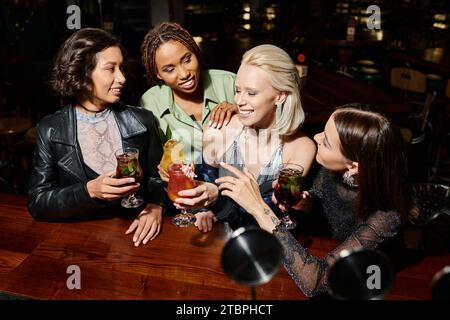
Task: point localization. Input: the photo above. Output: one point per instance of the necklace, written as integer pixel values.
(91, 111)
(92, 118)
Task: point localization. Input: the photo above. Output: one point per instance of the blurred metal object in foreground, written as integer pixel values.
(441, 284)
(251, 257)
(361, 274)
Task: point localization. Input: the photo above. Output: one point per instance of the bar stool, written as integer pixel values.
(10, 130)
(412, 84)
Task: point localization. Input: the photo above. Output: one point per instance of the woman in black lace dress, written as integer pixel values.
(362, 188)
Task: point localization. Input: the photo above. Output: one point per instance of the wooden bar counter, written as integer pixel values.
(181, 263)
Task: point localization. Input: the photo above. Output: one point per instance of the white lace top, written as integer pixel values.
(99, 137)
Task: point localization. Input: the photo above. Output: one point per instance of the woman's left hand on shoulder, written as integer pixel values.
(147, 225)
(221, 114)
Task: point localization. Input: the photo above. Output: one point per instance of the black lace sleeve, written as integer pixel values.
(311, 273)
(316, 189)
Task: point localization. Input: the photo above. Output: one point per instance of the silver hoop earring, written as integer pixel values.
(278, 104)
(349, 179)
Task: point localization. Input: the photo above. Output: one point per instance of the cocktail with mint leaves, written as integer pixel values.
(128, 166)
(288, 191)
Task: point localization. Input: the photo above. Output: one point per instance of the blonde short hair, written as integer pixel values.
(284, 77)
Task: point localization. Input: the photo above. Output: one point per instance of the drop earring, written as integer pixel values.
(349, 179)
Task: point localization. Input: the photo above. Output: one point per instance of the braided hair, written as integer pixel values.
(160, 34)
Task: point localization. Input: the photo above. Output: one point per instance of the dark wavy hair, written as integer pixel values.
(76, 59)
(160, 34)
(372, 140)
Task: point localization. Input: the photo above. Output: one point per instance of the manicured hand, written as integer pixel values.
(147, 225)
(205, 220)
(106, 187)
(242, 188)
(199, 197)
(221, 114)
(163, 174)
(304, 205)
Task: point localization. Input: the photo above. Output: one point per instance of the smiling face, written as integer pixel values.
(107, 79)
(255, 97)
(178, 67)
(329, 153)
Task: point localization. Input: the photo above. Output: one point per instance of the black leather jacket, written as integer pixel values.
(57, 187)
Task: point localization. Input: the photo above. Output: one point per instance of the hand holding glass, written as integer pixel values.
(128, 166)
(288, 191)
(181, 178)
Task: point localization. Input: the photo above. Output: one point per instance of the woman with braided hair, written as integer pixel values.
(185, 98)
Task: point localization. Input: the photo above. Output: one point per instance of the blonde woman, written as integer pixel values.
(263, 135)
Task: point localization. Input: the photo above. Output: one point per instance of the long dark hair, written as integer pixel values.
(160, 34)
(76, 59)
(370, 139)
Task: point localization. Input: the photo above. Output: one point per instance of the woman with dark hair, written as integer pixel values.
(362, 188)
(74, 163)
(185, 97)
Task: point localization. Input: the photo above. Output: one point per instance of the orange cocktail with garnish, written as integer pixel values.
(173, 152)
(181, 178)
